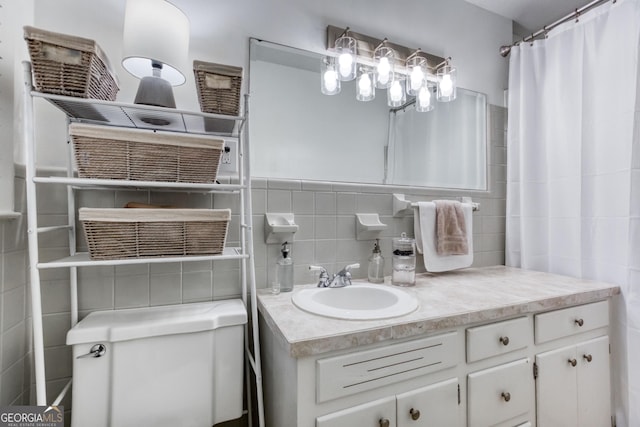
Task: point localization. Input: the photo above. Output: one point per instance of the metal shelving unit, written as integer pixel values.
(146, 117)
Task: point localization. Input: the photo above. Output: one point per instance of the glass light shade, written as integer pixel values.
(447, 83)
(383, 59)
(346, 50)
(329, 81)
(395, 94)
(365, 86)
(424, 99)
(155, 30)
(417, 74)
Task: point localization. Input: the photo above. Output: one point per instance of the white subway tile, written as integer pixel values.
(325, 203)
(165, 289)
(132, 291)
(55, 327)
(284, 184)
(13, 345)
(325, 227)
(303, 202)
(13, 307)
(306, 227)
(258, 201)
(278, 201)
(346, 203)
(375, 203)
(58, 362)
(14, 270)
(96, 292)
(11, 385)
(197, 286)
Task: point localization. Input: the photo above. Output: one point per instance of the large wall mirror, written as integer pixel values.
(296, 132)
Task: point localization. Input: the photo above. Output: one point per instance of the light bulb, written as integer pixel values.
(416, 78)
(384, 70)
(330, 80)
(364, 85)
(395, 91)
(424, 97)
(345, 61)
(446, 85)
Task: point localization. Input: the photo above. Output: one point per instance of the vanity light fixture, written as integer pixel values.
(380, 64)
(346, 49)
(446, 76)
(365, 87)
(155, 48)
(384, 63)
(329, 83)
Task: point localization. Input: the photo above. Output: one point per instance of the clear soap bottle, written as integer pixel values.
(284, 269)
(376, 264)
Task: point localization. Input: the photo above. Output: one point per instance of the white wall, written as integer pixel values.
(220, 30)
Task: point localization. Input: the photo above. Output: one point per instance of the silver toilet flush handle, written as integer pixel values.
(97, 350)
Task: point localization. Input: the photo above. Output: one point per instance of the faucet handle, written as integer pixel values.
(321, 269)
(348, 268)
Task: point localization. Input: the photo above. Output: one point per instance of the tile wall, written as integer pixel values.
(325, 213)
(15, 325)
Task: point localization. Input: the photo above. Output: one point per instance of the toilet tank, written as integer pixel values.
(179, 365)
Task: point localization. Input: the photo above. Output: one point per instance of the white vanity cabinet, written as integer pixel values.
(573, 381)
(462, 368)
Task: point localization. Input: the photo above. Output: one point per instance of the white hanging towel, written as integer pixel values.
(424, 225)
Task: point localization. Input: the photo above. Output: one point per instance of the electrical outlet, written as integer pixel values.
(229, 158)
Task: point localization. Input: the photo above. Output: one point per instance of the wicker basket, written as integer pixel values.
(133, 233)
(70, 66)
(104, 152)
(218, 87)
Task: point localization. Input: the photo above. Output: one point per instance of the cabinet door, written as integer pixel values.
(594, 389)
(432, 406)
(379, 413)
(556, 388)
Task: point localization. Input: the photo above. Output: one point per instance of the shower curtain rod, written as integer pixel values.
(506, 49)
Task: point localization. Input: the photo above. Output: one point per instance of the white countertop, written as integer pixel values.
(446, 300)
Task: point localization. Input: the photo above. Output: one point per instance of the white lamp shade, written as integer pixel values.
(159, 31)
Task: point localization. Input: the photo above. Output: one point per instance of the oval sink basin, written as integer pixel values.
(359, 301)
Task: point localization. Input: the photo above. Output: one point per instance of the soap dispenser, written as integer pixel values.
(284, 269)
(376, 264)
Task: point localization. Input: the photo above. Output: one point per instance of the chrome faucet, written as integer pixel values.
(339, 280)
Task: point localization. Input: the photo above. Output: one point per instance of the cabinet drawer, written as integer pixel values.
(501, 393)
(570, 321)
(497, 338)
(356, 372)
(369, 414)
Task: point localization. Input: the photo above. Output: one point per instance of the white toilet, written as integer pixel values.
(167, 366)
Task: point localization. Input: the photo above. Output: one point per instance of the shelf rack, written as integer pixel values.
(146, 117)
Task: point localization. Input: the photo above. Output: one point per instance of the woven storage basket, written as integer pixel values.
(133, 233)
(70, 66)
(105, 152)
(218, 87)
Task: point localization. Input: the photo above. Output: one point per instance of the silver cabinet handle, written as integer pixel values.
(506, 396)
(97, 350)
(573, 362)
(384, 422)
(588, 357)
(579, 322)
(504, 340)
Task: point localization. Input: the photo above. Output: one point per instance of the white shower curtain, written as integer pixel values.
(573, 192)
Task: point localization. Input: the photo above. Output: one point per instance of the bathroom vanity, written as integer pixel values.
(494, 346)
